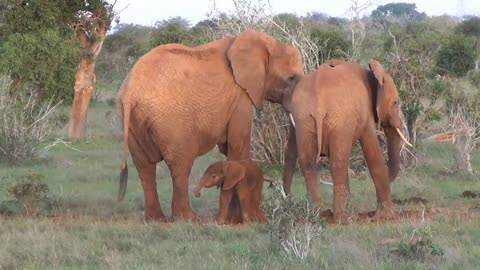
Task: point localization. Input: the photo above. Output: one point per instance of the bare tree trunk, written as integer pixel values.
(85, 78)
(84, 86)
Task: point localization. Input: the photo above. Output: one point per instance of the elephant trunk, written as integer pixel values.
(198, 188)
(394, 145)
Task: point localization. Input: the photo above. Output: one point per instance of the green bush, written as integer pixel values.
(44, 60)
(331, 42)
(456, 56)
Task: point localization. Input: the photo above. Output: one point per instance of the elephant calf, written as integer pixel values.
(241, 176)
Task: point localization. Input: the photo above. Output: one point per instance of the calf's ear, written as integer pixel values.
(234, 172)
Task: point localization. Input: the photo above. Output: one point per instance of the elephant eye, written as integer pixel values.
(292, 78)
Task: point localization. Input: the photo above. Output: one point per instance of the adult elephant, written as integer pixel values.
(332, 109)
(178, 102)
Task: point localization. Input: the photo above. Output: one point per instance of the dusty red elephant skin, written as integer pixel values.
(179, 102)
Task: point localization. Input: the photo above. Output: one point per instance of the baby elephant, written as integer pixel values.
(242, 176)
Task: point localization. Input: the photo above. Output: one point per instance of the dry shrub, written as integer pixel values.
(270, 127)
(464, 123)
(25, 123)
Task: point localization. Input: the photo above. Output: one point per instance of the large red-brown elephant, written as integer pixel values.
(178, 102)
(334, 108)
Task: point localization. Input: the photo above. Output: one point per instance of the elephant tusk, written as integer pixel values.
(291, 119)
(403, 137)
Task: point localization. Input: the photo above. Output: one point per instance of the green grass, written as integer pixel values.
(91, 230)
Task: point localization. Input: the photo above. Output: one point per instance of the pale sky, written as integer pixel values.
(147, 12)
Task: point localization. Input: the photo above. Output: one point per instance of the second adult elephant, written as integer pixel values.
(178, 102)
(332, 109)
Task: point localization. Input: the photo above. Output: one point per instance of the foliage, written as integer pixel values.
(418, 244)
(469, 27)
(174, 30)
(331, 41)
(294, 223)
(41, 50)
(26, 123)
(178, 30)
(23, 16)
(456, 56)
(406, 10)
(43, 60)
(410, 61)
(121, 50)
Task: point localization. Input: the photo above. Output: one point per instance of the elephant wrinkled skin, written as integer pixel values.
(332, 109)
(178, 102)
(241, 177)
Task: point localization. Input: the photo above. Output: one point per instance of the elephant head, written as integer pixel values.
(264, 67)
(387, 114)
(224, 174)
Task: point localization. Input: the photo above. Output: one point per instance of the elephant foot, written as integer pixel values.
(341, 218)
(155, 217)
(221, 220)
(384, 214)
(187, 215)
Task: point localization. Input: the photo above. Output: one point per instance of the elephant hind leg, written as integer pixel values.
(376, 165)
(147, 172)
(153, 211)
(180, 172)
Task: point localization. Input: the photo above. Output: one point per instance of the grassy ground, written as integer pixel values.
(86, 228)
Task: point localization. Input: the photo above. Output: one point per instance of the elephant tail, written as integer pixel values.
(124, 172)
(319, 124)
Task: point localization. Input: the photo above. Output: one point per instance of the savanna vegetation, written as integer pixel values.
(58, 206)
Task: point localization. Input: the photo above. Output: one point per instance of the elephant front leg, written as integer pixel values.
(180, 173)
(223, 209)
(379, 172)
(290, 160)
(234, 215)
(246, 203)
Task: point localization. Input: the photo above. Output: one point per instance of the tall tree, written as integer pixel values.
(87, 20)
(405, 10)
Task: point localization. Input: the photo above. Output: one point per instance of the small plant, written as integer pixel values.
(418, 244)
(294, 224)
(29, 191)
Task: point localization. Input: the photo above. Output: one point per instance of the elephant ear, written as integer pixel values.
(234, 172)
(248, 55)
(379, 74)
